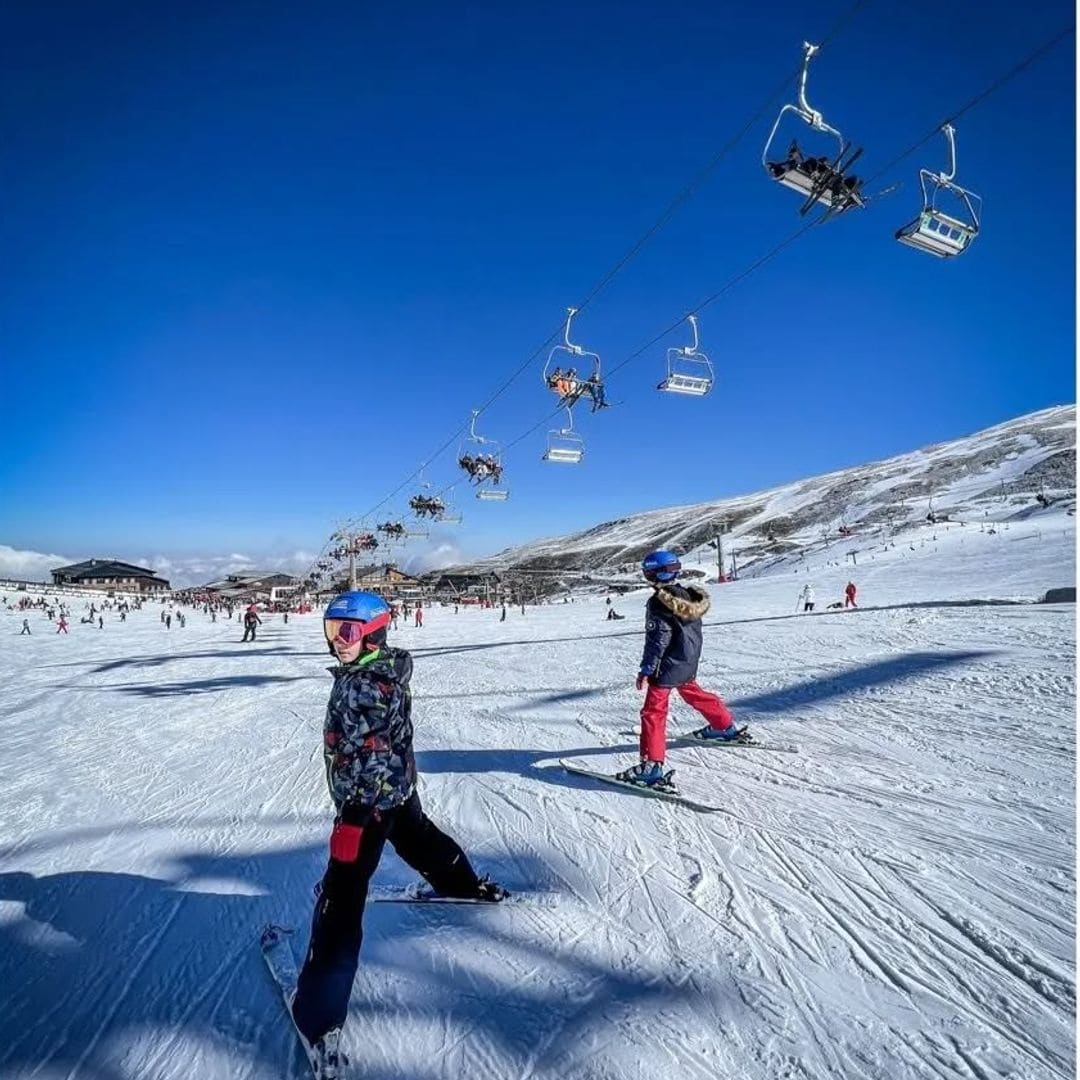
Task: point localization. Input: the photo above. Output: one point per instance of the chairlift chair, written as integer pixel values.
(484, 448)
(934, 231)
(565, 446)
(689, 371)
(826, 184)
(571, 350)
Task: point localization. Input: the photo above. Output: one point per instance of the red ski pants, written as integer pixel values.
(655, 710)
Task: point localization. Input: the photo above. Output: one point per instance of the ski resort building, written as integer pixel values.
(110, 575)
(387, 580)
(254, 585)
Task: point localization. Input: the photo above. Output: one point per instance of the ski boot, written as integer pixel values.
(491, 892)
(649, 774)
(327, 1060)
(732, 734)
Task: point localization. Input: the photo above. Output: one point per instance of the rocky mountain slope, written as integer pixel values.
(1004, 473)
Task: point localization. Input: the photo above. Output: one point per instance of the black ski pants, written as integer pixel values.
(325, 983)
(249, 633)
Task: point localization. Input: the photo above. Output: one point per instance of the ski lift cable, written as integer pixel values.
(778, 248)
(628, 256)
(1030, 59)
(1018, 68)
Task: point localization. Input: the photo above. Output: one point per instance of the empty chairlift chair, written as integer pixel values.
(935, 231)
(565, 446)
(689, 371)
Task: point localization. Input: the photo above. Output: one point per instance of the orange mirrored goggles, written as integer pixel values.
(351, 631)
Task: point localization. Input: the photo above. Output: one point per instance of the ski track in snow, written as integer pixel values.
(894, 902)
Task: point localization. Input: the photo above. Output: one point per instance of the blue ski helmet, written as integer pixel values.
(663, 566)
(369, 610)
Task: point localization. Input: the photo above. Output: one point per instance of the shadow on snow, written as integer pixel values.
(119, 970)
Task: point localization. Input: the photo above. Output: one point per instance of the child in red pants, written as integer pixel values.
(670, 662)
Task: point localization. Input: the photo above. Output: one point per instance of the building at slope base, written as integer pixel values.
(110, 575)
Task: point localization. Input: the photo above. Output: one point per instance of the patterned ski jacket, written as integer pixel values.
(368, 733)
(673, 634)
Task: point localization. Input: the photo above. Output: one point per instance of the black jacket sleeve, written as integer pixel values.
(658, 633)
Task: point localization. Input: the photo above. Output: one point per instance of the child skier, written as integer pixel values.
(670, 662)
(371, 773)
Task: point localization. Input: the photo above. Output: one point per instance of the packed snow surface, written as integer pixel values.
(895, 901)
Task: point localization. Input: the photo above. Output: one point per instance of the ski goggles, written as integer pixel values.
(662, 573)
(352, 631)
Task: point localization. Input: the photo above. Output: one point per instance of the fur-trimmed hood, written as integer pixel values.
(688, 608)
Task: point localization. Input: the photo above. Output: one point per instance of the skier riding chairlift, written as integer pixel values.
(689, 371)
(933, 231)
(822, 181)
(567, 384)
(482, 464)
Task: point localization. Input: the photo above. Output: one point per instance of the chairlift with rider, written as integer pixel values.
(569, 384)
(821, 181)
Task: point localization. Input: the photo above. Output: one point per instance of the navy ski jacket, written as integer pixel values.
(673, 634)
(368, 733)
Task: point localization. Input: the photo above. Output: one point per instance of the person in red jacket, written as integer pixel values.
(849, 595)
(419, 615)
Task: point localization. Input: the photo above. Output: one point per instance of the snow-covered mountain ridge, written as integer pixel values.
(1007, 472)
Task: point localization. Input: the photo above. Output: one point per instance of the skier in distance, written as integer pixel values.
(371, 774)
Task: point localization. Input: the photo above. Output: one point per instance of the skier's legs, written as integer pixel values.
(711, 706)
(654, 712)
(427, 849)
(325, 983)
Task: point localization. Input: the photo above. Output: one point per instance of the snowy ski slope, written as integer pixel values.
(993, 475)
(896, 901)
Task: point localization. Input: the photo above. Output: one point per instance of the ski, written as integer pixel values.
(278, 954)
(421, 893)
(641, 789)
(719, 744)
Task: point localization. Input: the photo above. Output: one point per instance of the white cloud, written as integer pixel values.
(29, 565)
(435, 557)
(181, 571)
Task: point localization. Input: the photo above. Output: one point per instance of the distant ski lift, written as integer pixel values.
(492, 495)
(821, 181)
(565, 446)
(935, 231)
(569, 384)
(689, 371)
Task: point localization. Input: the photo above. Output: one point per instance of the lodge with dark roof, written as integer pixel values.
(110, 575)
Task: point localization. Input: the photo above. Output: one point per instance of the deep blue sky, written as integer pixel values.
(260, 259)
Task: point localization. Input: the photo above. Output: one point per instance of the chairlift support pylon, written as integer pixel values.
(689, 370)
(822, 182)
(579, 354)
(565, 446)
(934, 231)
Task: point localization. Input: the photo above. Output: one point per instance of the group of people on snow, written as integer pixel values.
(807, 598)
